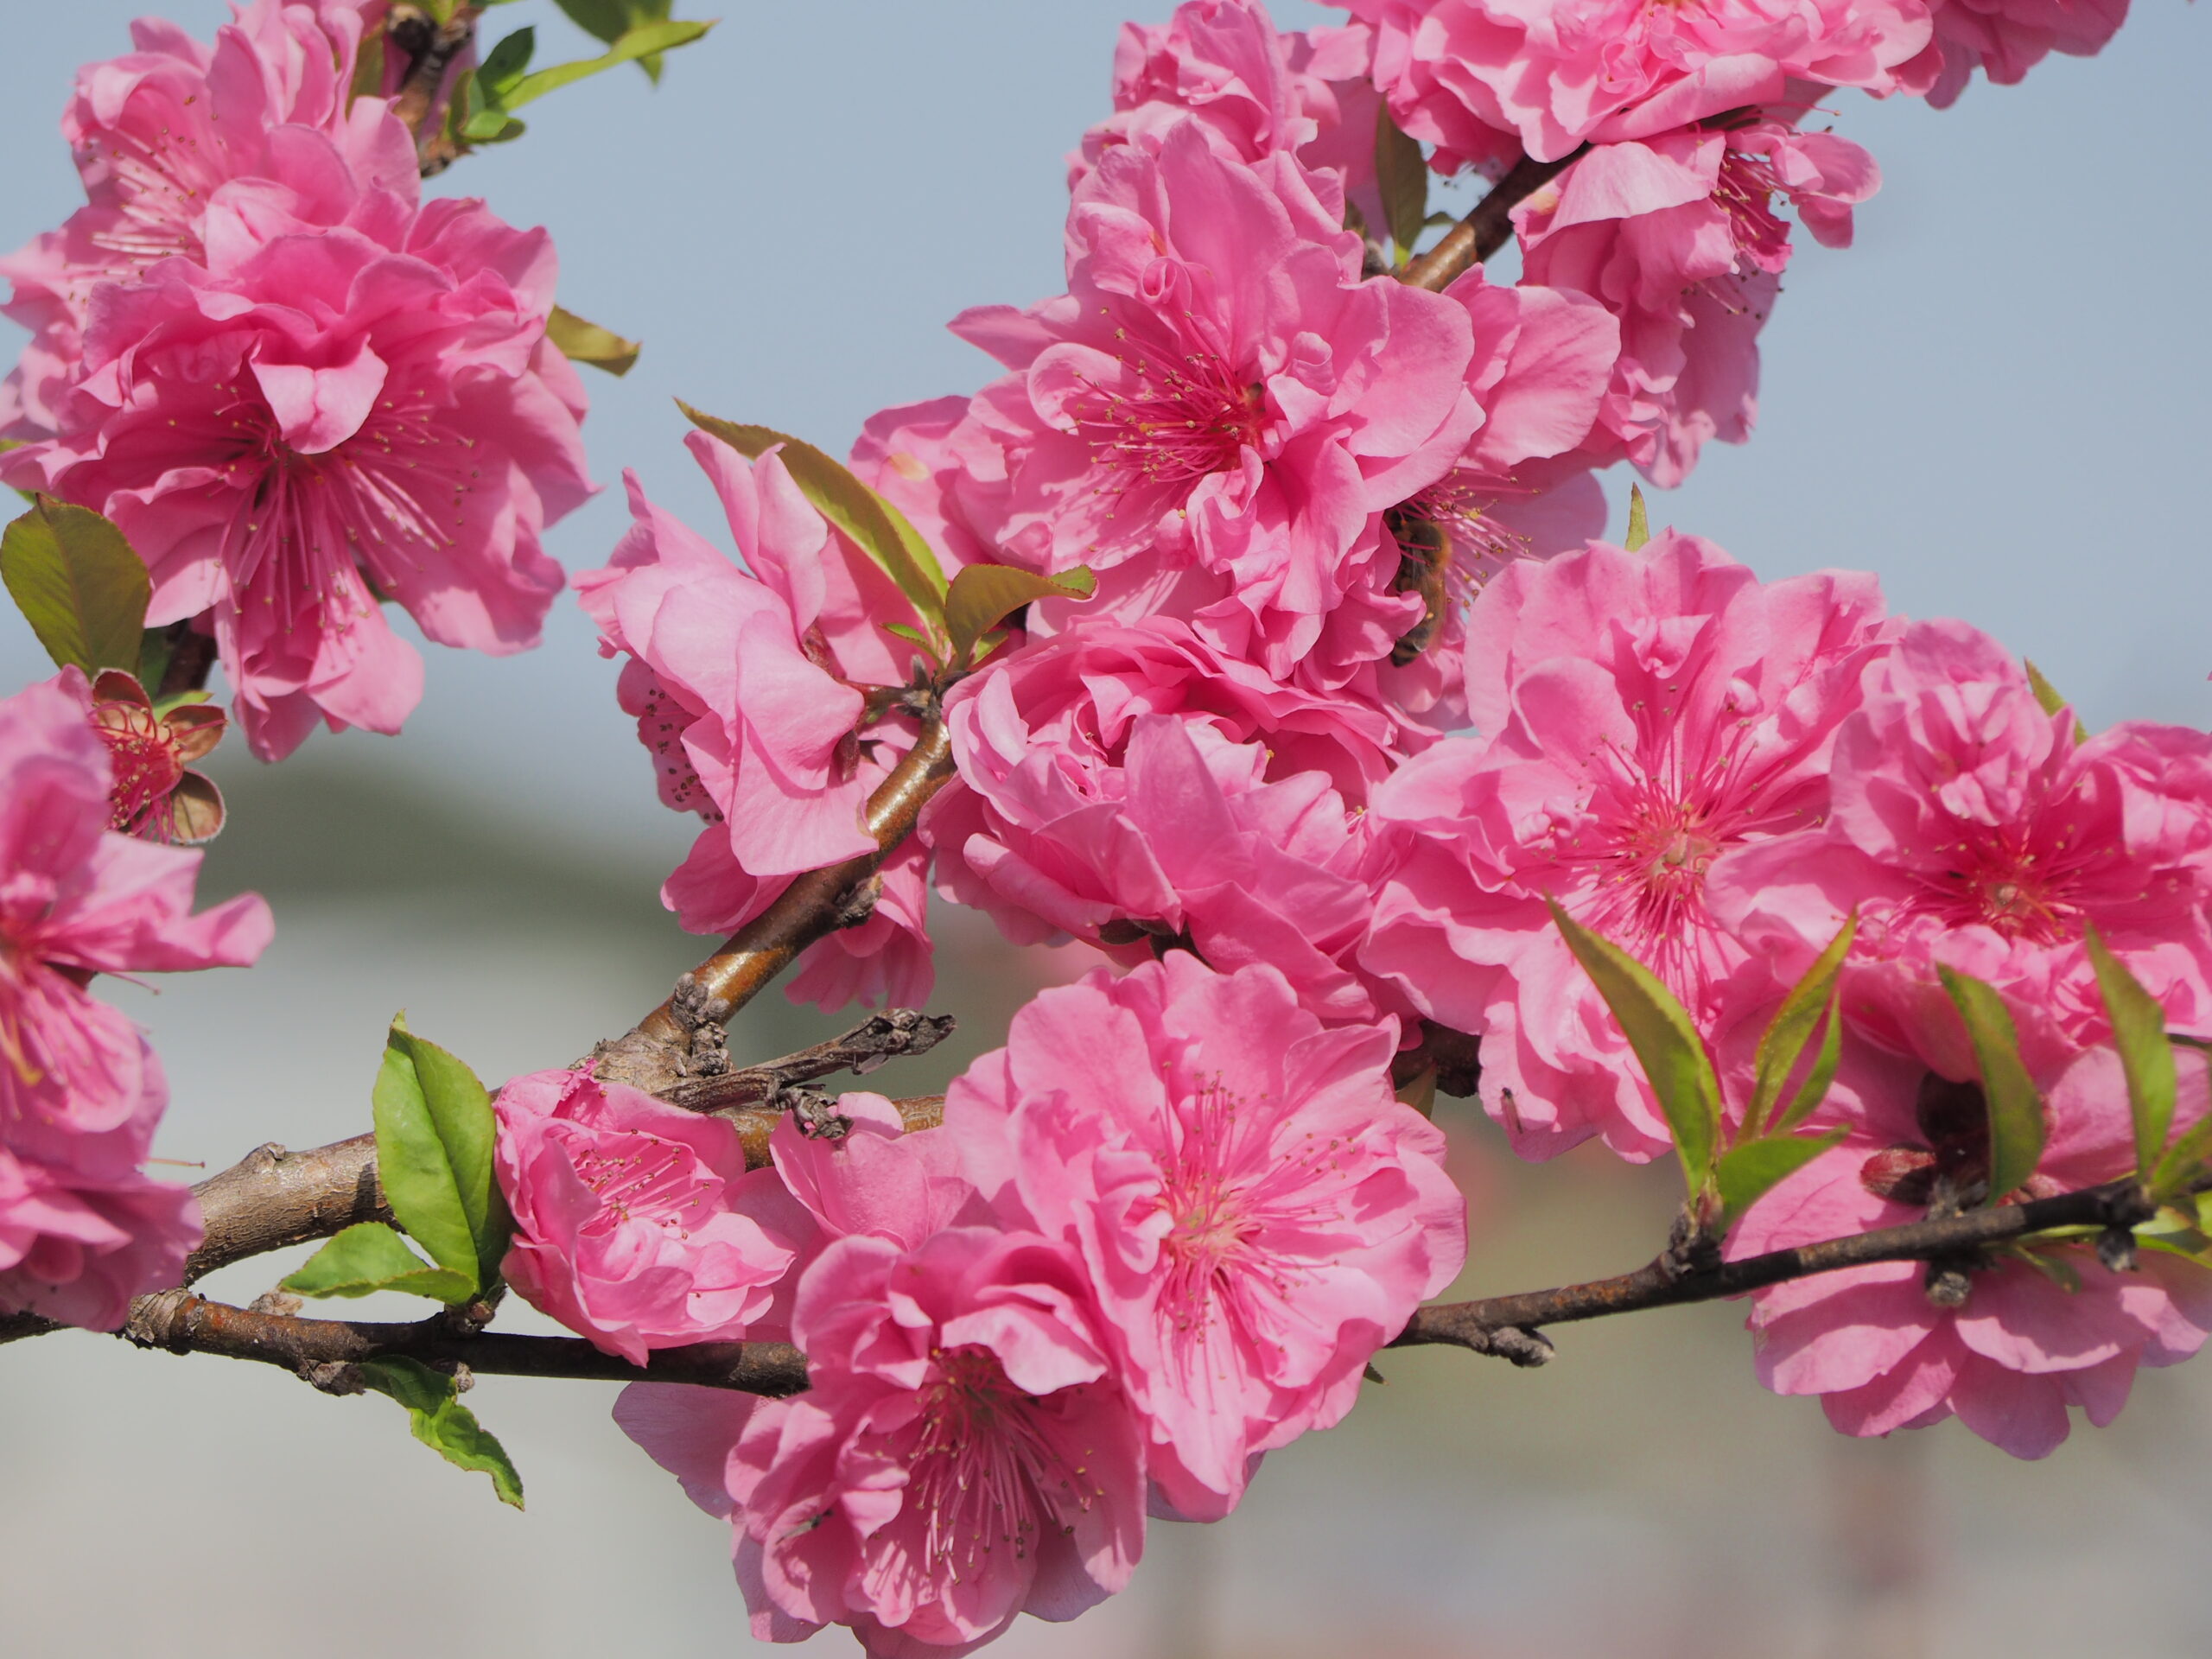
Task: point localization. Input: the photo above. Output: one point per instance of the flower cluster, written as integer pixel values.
(298, 388)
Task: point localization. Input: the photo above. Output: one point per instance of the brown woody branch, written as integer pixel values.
(894, 1033)
(1485, 229)
(1506, 1326)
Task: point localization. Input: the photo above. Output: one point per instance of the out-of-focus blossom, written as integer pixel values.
(2004, 39)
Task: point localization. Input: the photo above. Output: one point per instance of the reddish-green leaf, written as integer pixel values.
(587, 342)
(983, 595)
(1639, 520)
(1401, 175)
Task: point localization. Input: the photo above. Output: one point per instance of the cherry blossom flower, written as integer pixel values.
(1258, 1214)
(1646, 712)
(1128, 784)
(636, 1223)
(154, 793)
(2004, 39)
(1678, 236)
(331, 421)
(81, 1229)
(1219, 401)
(745, 682)
(964, 1451)
(1970, 827)
(1556, 73)
(2030, 1334)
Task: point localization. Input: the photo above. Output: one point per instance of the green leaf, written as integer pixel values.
(587, 342)
(648, 40)
(2051, 701)
(2016, 1125)
(1402, 176)
(442, 1423)
(2183, 1160)
(1639, 520)
(2139, 1029)
(504, 66)
(610, 20)
(78, 583)
(876, 527)
(435, 1130)
(368, 69)
(1666, 1042)
(369, 1257)
(983, 595)
(1782, 1043)
(1746, 1172)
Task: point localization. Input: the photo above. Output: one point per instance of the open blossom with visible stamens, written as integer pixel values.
(2004, 39)
(2037, 1330)
(1220, 404)
(1556, 73)
(963, 1452)
(81, 1229)
(332, 420)
(1971, 828)
(1258, 1214)
(1678, 236)
(747, 682)
(1645, 712)
(175, 136)
(636, 1224)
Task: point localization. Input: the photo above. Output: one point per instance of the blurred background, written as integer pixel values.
(1998, 401)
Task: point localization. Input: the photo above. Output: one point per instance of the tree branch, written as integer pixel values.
(892, 1034)
(1488, 1326)
(183, 1323)
(1485, 229)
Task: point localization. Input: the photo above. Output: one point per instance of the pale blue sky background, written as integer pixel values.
(1998, 402)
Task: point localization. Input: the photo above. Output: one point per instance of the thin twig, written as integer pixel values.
(890, 1036)
(1485, 229)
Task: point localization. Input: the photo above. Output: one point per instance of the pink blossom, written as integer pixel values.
(1557, 73)
(636, 1223)
(2004, 39)
(1128, 784)
(1646, 712)
(177, 138)
(2027, 1342)
(81, 1230)
(1677, 235)
(878, 1179)
(331, 420)
(963, 1452)
(914, 456)
(1258, 1214)
(1218, 402)
(1971, 829)
(745, 682)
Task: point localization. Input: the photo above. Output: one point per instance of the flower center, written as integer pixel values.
(148, 766)
(982, 1474)
(1745, 192)
(641, 1177)
(1182, 420)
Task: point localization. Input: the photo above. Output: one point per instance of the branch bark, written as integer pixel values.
(1487, 1326)
(1485, 229)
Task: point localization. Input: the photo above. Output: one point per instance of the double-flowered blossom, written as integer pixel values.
(82, 1229)
(1971, 828)
(296, 388)
(1643, 713)
(637, 1223)
(1128, 784)
(2025, 1335)
(1677, 236)
(964, 1453)
(1256, 1214)
(747, 682)
(2004, 39)
(1464, 74)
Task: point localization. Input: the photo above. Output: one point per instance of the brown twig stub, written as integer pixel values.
(755, 1124)
(883, 1037)
(1664, 1283)
(1485, 229)
(318, 1350)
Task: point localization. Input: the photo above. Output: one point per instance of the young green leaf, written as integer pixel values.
(1639, 520)
(876, 527)
(369, 1257)
(610, 20)
(442, 1423)
(1666, 1042)
(435, 1130)
(646, 41)
(587, 342)
(982, 596)
(1783, 1044)
(2048, 697)
(78, 584)
(504, 66)
(1401, 174)
(2016, 1123)
(2182, 1161)
(1747, 1172)
(2139, 1029)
